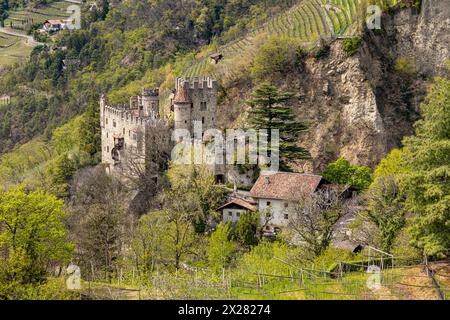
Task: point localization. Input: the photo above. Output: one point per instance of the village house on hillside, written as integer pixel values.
(274, 195)
(54, 26)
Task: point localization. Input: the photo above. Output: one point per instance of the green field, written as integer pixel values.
(13, 49)
(306, 22)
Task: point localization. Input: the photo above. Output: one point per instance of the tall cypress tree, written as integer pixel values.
(91, 131)
(270, 110)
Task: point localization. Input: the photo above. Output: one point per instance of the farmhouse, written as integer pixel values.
(216, 57)
(275, 194)
(233, 210)
(54, 25)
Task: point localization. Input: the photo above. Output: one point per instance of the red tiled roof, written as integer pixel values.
(182, 95)
(55, 21)
(239, 202)
(285, 186)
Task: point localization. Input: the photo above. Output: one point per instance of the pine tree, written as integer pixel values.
(270, 110)
(427, 183)
(246, 228)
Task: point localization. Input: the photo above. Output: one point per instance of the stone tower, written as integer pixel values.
(182, 105)
(195, 100)
(150, 103)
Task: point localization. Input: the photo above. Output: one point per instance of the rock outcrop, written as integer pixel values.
(361, 107)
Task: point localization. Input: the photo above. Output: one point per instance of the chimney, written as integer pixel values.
(267, 179)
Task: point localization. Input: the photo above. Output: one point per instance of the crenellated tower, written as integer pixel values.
(195, 100)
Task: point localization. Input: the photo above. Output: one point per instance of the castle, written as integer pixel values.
(123, 127)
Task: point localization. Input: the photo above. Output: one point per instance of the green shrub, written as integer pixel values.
(417, 4)
(343, 172)
(404, 66)
(351, 45)
(276, 58)
(323, 50)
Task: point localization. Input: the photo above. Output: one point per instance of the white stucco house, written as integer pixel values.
(54, 25)
(276, 193)
(274, 196)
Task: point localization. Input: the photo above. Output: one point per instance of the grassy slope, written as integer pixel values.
(13, 49)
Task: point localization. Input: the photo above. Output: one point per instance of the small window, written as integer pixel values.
(230, 214)
(269, 203)
(238, 214)
(114, 123)
(286, 205)
(107, 135)
(107, 148)
(286, 216)
(106, 120)
(202, 106)
(203, 120)
(123, 131)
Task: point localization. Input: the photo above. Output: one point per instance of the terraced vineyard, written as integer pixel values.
(20, 19)
(306, 22)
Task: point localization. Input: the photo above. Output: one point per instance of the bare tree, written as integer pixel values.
(98, 222)
(147, 244)
(313, 218)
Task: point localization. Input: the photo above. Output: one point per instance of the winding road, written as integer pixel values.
(28, 39)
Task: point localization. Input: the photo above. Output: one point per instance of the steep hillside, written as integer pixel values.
(362, 106)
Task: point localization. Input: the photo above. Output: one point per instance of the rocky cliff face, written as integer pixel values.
(361, 107)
